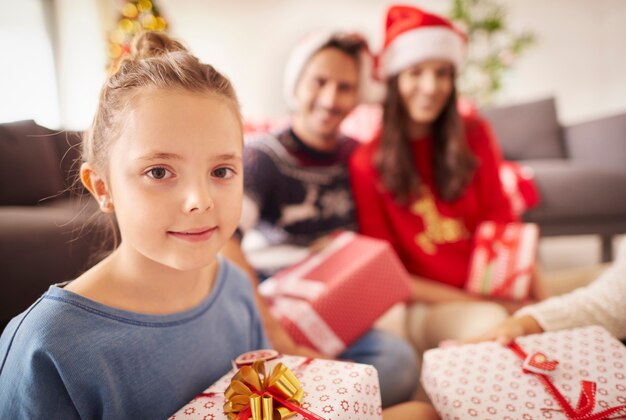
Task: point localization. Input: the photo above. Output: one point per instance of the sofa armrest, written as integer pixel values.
(598, 142)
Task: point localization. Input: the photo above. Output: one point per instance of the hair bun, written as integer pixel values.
(153, 44)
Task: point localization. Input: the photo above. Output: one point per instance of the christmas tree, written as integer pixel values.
(136, 16)
(492, 47)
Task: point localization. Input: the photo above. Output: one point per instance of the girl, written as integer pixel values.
(430, 177)
(158, 320)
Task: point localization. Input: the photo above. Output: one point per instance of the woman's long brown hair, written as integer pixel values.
(453, 162)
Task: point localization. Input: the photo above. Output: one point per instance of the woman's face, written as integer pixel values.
(425, 88)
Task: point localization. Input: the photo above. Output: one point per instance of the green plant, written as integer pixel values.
(492, 47)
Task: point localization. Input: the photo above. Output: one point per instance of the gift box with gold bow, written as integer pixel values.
(291, 387)
(503, 260)
(334, 296)
(571, 374)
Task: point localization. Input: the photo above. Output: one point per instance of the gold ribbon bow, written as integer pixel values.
(252, 393)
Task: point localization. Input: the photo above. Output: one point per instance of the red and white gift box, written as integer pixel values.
(332, 390)
(571, 374)
(503, 260)
(334, 296)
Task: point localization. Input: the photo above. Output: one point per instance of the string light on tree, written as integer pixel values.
(136, 16)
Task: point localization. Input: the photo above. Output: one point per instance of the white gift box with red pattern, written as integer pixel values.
(332, 390)
(330, 299)
(503, 260)
(570, 374)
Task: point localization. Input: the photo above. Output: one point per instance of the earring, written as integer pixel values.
(104, 203)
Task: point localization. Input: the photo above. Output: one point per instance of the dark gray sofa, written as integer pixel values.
(45, 232)
(580, 169)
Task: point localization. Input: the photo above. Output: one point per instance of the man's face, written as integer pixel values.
(325, 94)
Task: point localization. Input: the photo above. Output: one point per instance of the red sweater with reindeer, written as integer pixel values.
(433, 238)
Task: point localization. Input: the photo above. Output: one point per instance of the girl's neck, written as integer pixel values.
(128, 281)
(419, 130)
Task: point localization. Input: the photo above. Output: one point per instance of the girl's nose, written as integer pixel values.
(198, 198)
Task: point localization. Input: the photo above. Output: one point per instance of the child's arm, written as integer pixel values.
(277, 335)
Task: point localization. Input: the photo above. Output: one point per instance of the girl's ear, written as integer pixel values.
(97, 187)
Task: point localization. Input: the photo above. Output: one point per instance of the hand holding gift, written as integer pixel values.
(570, 374)
(330, 299)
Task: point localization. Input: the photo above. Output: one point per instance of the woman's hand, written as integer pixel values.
(509, 330)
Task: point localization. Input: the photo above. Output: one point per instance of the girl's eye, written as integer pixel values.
(224, 173)
(158, 173)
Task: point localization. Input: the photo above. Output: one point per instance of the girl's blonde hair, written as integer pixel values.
(156, 61)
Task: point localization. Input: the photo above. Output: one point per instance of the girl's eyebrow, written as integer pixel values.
(228, 156)
(174, 156)
(160, 155)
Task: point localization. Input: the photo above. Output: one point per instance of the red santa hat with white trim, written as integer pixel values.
(413, 35)
(368, 89)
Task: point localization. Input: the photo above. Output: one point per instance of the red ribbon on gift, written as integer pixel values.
(308, 415)
(489, 244)
(586, 400)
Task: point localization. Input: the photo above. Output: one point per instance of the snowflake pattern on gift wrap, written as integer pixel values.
(341, 398)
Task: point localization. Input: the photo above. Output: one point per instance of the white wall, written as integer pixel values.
(580, 57)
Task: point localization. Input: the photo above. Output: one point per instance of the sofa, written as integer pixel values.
(47, 233)
(579, 169)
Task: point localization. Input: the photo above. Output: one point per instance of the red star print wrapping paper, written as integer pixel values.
(333, 390)
(570, 374)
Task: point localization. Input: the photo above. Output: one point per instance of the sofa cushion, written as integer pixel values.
(30, 164)
(45, 244)
(577, 191)
(527, 131)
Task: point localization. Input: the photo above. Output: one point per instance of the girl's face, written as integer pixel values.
(176, 178)
(425, 88)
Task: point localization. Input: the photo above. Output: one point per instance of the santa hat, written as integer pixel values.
(369, 89)
(413, 35)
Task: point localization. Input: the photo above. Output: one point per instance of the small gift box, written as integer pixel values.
(503, 260)
(334, 296)
(571, 374)
(290, 387)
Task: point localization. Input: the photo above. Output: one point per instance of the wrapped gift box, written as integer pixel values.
(491, 381)
(332, 390)
(334, 296)
(503, 260)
